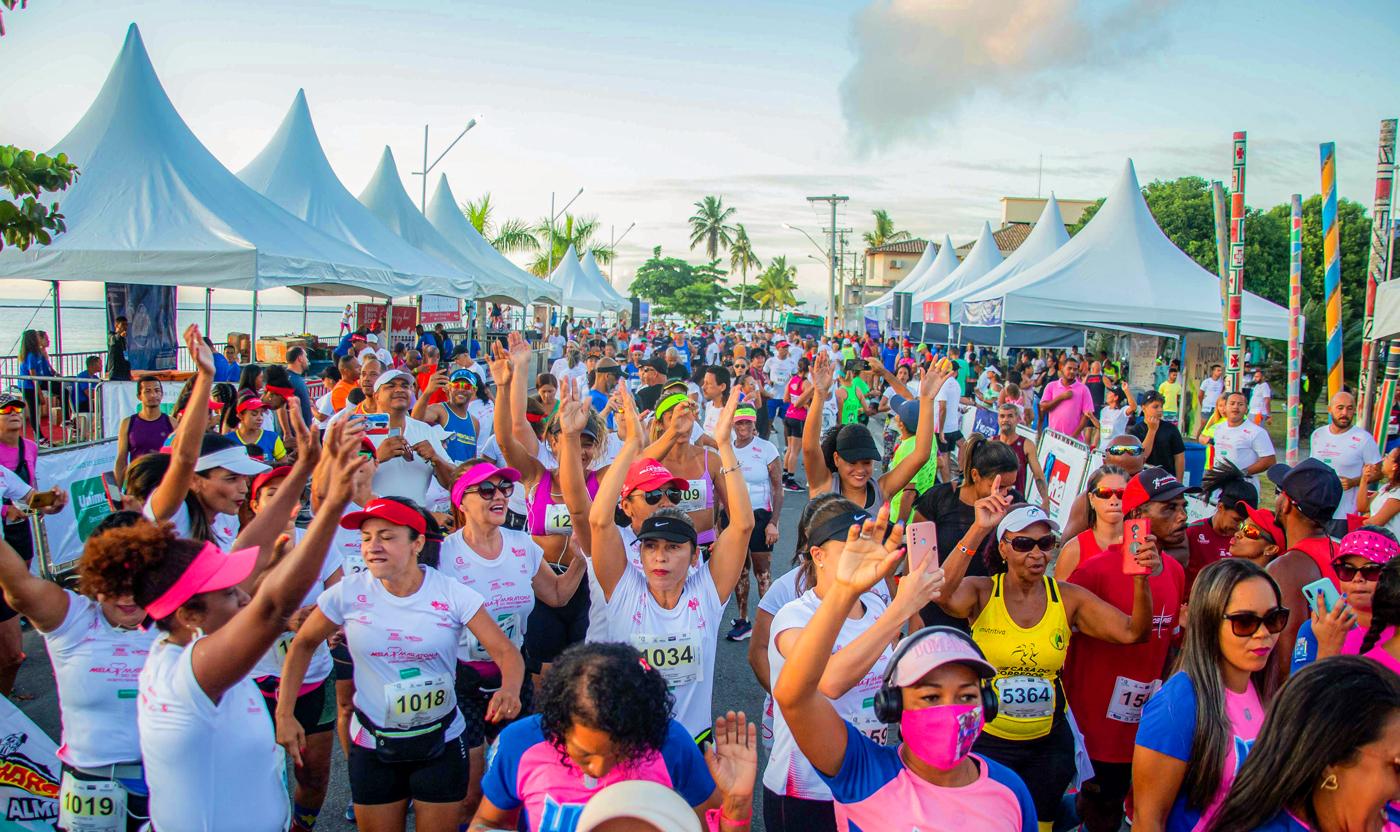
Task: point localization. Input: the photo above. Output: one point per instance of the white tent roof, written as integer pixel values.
(152, 205)
(292, 171)
(595, 274)
(1121, 269)
(1387, 320)
(580, 293)
(386, 198)
(451, 223)
(930, 270)
(1045, 238)
(984, 257)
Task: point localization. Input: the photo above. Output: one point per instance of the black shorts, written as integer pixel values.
(549, 630)
(344, 664)
(793, 426)
(758, 541)
(1100, 799)
(782, 812)
(949, 442)
(1045, 764)
(314, 710)
(474, 695)
(442, 779)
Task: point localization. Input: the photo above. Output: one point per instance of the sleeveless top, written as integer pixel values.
(460, 442)
(1019, 449)
(699, 494)
(1028, 662)
(1322, 551)
(544, 516)
(143, 437)
(874, 498)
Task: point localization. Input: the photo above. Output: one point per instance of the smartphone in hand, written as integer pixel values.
(1135, 534)
(376, 424)
(923, 539)
(1322, 595)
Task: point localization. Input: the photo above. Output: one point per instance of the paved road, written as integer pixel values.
(735, 687)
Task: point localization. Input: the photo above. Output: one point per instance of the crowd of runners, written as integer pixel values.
(501, 592)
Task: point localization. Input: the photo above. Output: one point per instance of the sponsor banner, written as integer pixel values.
(80, 471)
(29, 773)
(935, 312)
(151, 340)
(441, 309)
(400, 325)
(119, 401)
(982, 312)
(1066, 465)
(984, 421)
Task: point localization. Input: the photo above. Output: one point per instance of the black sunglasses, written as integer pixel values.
(1123, 450)
(1025, 544)
(654, 497)
(1370, 573)
(1246, 624)
(488, 490)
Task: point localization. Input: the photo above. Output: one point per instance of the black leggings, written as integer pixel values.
(795, 814)
(1045, 764)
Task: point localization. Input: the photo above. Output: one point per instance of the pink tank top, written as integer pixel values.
(540, 518)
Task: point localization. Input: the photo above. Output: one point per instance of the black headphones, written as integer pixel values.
(889, 702)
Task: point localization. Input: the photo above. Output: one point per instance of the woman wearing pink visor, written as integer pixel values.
(403, 624)
(1341, 628)
(507, 568)
(211, 759)
(937, 686)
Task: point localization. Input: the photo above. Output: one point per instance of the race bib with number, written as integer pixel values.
(283, 645)
(557, 519)
(509, 624)
(866, 723)
(676, 658)
(1129, 695)
(1026, 697)
(352, 561)
(418, 701)
(91, 806)
(694, 496)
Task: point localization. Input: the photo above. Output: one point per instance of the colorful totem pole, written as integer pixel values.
(1295, 336)
(1234, 283)
(1332, 268)
(1222, 245)
(1380, 419)
(1376, 267)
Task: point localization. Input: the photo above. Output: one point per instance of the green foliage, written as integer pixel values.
(710, 225)
(572, 231)
(512, 235)
(675, 287)
(777, 290)
(27, 176)
(478, 212)
(741, 259)
(884, 231)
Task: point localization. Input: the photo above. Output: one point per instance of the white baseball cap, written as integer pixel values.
(642, 800)
(1022, 517)
(388, 376)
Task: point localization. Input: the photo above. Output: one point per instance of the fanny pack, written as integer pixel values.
(408, 745)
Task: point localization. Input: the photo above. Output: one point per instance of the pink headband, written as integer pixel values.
(479, 473)
(210, 570)
(1372, 546)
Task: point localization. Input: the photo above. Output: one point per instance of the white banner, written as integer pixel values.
(79, 470)
(1066, 465)
(1142, 362)
(29, 774)
(440, 309)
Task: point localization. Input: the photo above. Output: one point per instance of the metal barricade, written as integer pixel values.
(59, 410)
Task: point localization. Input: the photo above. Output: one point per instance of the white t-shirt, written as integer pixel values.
(409, 478)
(1211, 389)
(12, 486)
(1113, 421)
(951, 395)
(224, 529)
(1259, 398)
(754, 459)
(485, 415)
(779, 371)
(491, 449)
(1243, 445)
(405, 649)
(270, 664)
(210, 767)
(1345, 453)
(598, 605)
(788, 772)
(710, 417)
(679, 642)
(504, 581)
(1381, 498)
(712, 353)
(97, 667)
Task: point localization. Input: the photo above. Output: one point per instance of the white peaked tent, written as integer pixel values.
(1387, 322)
(152, 205)
(595, 274)
(930, 270)
(580, 293)
(983, 257)
(292, 171)
(385, 197)
(1121, 270)
(447, 217)
(1045, 238)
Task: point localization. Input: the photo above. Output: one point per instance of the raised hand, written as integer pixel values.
(989, 510)
(573, 413)
(869, 556)
(519, 350)
(921, 586)
(733, 758)
(308, 444)
(629, 423)
(725, 425)
(500, 363)
(199, 351)
(343, 458)
(930, 382)
(822, 373)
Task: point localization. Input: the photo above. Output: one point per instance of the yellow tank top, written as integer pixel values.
(1028, 662)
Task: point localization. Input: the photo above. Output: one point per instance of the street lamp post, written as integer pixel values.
(427, 168)
(612, 246)
(834, 200)
(552, 217)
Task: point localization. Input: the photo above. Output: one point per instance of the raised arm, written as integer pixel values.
(1096, 618)
(516, 454)
(573, 418)
(818, 478)
(436, 382)
(962, 596)
(902, 474)
(43, 602)
(730, 551)
(265, 527)
(608, 553)
(167, 497)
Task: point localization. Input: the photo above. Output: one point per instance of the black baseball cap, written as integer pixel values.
(1154, 484)
(673, 529)
(658, 364)
(1312, 486)
(855, 444)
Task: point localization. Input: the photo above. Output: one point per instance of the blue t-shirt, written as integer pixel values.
(34, 364)
(225, 370)
(427, 339)
(1282, 822)
(600, 401)
(876, 791)
(1304, 649)
(343, 348)
(529, 773)
(888, 356)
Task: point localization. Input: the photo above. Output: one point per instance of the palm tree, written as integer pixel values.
(709, 226)
(512, 235)
(776, 290)
(742, 258)
(884, 231)
(478, 213)
(572, 231)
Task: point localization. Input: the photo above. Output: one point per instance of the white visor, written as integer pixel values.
(235, 459)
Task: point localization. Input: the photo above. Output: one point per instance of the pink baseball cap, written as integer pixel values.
(933, 647)
(210, 571)
(648, 474)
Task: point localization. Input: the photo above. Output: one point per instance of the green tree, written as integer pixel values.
(573, 231)
(710, 225)
(674, 286)
(478, 212)
(884, 231)
(741, 259)
(512, 235)
(777, 289)
(27, 176)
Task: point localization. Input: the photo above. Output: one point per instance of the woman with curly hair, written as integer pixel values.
(603, 717)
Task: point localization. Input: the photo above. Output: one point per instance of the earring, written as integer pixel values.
(1330, 783)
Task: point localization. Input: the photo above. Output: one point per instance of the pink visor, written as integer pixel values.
(1370, 545)
(210, 571)
(477, 474)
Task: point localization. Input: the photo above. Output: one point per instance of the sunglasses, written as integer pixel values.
(1124, 450)
(1025, 544)
(1104, 493)
(459, 385)
(1246, 624)
(1253, 532)
(488, 490)
(1370, 573)
(11, 408)
(654, 497)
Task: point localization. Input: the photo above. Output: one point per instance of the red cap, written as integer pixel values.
(266, 477)
(648, 474)
(391, 511)
(1264, 519)
(251, 403)
(284, 392)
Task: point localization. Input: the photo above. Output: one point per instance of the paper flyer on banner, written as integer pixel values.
(80, 470)
(1066, 465)
(29, 774)
(441, 309)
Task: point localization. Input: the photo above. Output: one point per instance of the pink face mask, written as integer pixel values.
(943, 734)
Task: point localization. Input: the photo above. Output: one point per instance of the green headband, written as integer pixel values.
(670, 402)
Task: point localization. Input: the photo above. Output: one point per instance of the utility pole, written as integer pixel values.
(834, 201)
(427, 168)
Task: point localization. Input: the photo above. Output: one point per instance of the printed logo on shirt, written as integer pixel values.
(559, 817)
(441, 606)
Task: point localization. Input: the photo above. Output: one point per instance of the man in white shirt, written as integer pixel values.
(1211, 388)
(1260, 397)
(712, 351)
(715, 391)
(1345, 448)
(556, 344)
(1243, 442)
(947, 423)
(409, 452)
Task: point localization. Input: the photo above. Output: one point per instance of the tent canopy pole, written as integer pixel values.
(208, 311)
(57, 320)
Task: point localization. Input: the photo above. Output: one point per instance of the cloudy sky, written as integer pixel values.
(932, 109)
